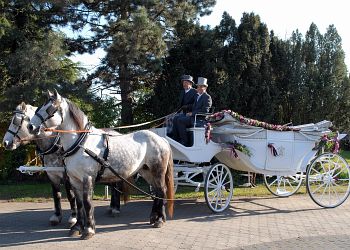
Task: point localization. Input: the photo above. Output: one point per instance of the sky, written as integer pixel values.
(281, 16)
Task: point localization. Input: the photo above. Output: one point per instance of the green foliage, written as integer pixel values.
(136, 36)
(253, 72)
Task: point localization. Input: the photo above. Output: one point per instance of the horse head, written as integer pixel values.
(17, 130)
(49, 115)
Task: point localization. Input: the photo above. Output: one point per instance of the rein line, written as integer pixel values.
(106, 165)
(120, 127)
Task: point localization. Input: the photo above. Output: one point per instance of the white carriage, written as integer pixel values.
(282, 156)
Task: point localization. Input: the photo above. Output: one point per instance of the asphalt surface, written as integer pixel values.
(250, 223)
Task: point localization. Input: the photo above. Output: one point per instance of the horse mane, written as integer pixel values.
(77, 114)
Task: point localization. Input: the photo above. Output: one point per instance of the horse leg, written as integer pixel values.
(71, 198)
(56, 218)
(153, 216)
(158, 209)
(89, 229)
(77, 228)
(115, 198)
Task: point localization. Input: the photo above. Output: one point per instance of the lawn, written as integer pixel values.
(42, 192)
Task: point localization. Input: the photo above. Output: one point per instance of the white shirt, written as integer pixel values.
(199, 96)
(186, 90)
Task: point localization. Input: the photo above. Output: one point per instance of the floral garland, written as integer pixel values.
(329, 143)
(220, 115)
(236, 145)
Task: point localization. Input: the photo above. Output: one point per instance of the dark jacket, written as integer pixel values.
(187, 99)
(203, 104)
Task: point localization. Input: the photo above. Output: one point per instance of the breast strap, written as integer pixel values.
(52, 149)
(76, 146)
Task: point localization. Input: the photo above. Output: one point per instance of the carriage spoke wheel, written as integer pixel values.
(283, 186)
(328, 181)
(218, 188)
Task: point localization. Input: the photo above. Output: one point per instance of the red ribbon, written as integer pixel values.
(273, 149)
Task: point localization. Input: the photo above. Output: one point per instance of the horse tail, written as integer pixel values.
(169, 180)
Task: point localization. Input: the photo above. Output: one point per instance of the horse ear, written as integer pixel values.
(23, 106)
(57, 95)
(49, 94)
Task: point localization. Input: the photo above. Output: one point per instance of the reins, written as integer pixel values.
(120, 127)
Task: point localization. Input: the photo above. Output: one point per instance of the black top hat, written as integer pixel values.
(187, 78)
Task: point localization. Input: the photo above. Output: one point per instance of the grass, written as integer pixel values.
(42, 192)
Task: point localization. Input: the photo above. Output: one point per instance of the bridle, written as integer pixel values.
(18, 122)
(50, 111)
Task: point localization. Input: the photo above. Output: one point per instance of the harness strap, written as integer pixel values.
(52, 149)
(14, 133)
(40, 117)
(105, 157)
(104, 163)
(75, 147)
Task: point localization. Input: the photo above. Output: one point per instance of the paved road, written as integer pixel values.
(250, 223)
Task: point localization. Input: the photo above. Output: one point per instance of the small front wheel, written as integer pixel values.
(283, 186)
(328, 180)
(218, 188)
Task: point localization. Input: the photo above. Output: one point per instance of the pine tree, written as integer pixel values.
(136, 35)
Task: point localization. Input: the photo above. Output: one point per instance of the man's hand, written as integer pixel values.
(189, 114)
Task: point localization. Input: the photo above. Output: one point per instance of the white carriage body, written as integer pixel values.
(294, 148)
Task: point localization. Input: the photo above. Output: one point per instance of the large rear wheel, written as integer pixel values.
(328, 181)
(218, 188)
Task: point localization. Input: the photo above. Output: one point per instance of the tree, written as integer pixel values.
(136, 36)
(33, 57)
(198, 53)
(252, 86)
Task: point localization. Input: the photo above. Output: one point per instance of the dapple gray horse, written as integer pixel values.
(49, 148)
(143, 152)
(47, 145)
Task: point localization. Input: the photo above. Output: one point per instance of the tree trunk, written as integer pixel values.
(125, 88)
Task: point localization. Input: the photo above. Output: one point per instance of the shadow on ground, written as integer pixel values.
(28, 225)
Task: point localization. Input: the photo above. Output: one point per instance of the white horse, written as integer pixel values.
(48, 147)
(143, 152)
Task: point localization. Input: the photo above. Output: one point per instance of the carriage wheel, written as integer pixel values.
(176, 184)
(218, 188)
(283, 186)
(328, 181)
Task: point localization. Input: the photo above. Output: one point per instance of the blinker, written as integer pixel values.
(51, 110)
(17, 121)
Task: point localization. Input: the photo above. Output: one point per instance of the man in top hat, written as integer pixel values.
(202, 104)
(188, 94)
(186, 99)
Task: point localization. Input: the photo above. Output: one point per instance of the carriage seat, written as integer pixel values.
(198, 127)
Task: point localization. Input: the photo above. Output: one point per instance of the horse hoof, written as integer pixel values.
(115, 212)
(74, 233)
(72, 221)
(109, 210)
(152, 219)
(87, 234)
(55, 220)
(158, 224)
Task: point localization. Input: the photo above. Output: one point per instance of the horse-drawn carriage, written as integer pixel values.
(284, 154)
